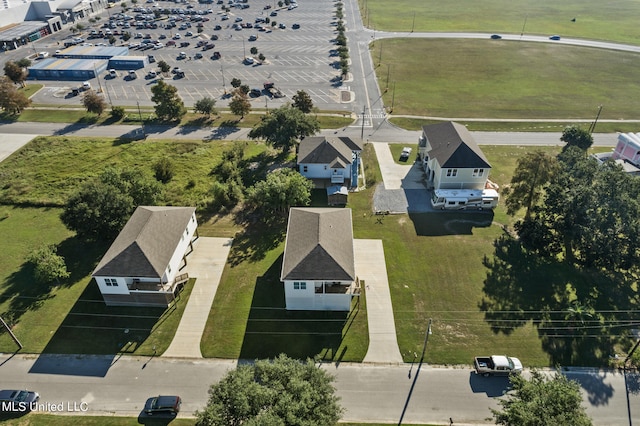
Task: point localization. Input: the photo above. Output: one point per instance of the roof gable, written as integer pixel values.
(319, 245)
(452, 146)
(146, 243)
(322, 150)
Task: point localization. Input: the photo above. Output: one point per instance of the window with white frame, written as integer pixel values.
(478, 172)
(299, 285)
(111, 282)
(452, 172)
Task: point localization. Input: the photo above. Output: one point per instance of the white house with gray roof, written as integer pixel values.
(451, 158)
(142, 266)
(318, 268)
(329, 161)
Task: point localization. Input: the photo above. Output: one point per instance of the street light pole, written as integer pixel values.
(393, 96)
(144, 133)
(388, 71)
(415, 378)
(364, 109)
(223, 86)
(414, 22)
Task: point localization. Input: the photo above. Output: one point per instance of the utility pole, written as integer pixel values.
(414, 22)
(523, 25)
(393, 96)
(223, 86)
(380, 55)
(13, 336)
(364, 109)
(144, 133)
(386, 87)
(415, 378)
(593, 125)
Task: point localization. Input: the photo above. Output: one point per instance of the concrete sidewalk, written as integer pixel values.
(371, 267)
(206, 263)
(9, 143)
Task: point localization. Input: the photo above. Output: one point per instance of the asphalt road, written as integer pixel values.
(110, 385)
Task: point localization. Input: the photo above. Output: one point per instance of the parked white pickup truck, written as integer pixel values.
(497, 365)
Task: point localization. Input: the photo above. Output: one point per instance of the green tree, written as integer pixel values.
(163, 66)
(281, 189)
(261, 57)
(206, 105)
(576, 136)
(12, 100)
(24, 63)
(15, 73)
(239, 104)
(302, 101)
(112, 40)
(118, 112)
(253, 50)
(93, 102)
(163, 170)
(542, 401)
(236, 82)
(169, 106)
(48, 265)
(533, 172)
(284, 126)
(126, 36)
(282, 391)
(101, 207)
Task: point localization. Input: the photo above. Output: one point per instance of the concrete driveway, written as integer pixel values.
(403, 189)
(371, 267)
(205, 263)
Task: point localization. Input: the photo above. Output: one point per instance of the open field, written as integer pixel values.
(612, 21)
(500, 79)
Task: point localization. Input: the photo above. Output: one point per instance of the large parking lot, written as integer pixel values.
(295, 59)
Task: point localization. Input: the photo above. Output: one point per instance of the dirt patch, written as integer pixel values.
(345, 96)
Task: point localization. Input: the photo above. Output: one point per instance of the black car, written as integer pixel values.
(17, 400)
(163, 404)
(496, 36)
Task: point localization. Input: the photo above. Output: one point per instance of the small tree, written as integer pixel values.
(284, 126)
(236, 82)
(261, 57)
(281, 190)
(93, 102)
(244, 89)
(163, 66)
(302, 101)
(126, 36)
(12, 100)
(284, 391)
(240, 104)
(253, 50)
(48, 266)
(169, 106)
(205, 106)
(576, 136)
(163, 170)
(15, 73)
(118, 113)
(24, 63)
(112, 40)
(542, 401)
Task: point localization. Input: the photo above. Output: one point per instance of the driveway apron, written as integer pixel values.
(205, 263)
(371, 267)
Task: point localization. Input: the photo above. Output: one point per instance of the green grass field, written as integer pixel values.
(502, 79)
(613, 21)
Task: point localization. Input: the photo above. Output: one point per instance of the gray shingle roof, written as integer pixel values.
(453, 146)
(322, 150)
(319, 245)
(146, 243)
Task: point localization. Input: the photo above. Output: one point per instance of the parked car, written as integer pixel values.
(132, 75)
(249, 60)
(152, 74)
(254, 93)
(216, 55)
(197, 56)
(406, 152)
(295, 26)
(182, 55)
(113, 73)
(217, 28)
(163, 404)
(17, 401)
(253, 37)
(497, 365)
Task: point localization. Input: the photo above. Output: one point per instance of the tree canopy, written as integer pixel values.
(102, 206)
(542, 401)
(283, 391)
(239, 104)
(576, 136)
(302, 101)
(281, 189)
(48, 265)
(93, 102)
(534, 171)
(206, 106)
(12, 100)
(15, 72)
(169, 106)
(284, 126)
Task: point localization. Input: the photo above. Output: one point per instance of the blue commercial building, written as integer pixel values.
(92, 52)
(67, 69)
(128, 62)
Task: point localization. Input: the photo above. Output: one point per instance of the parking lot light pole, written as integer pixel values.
(223, 86)
(144, 133)
(364, 109)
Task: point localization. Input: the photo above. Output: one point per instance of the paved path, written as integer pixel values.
(10, 144)
(206, 263)
(371, 267)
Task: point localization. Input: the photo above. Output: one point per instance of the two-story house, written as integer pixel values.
(456, 169)
(329, 161)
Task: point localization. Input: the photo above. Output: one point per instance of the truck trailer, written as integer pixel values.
(461, 199)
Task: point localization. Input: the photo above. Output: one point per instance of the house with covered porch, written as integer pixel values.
(318, 268)
(142, 266)
(329, 161)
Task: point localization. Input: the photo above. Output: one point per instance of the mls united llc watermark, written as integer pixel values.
(50, 407)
